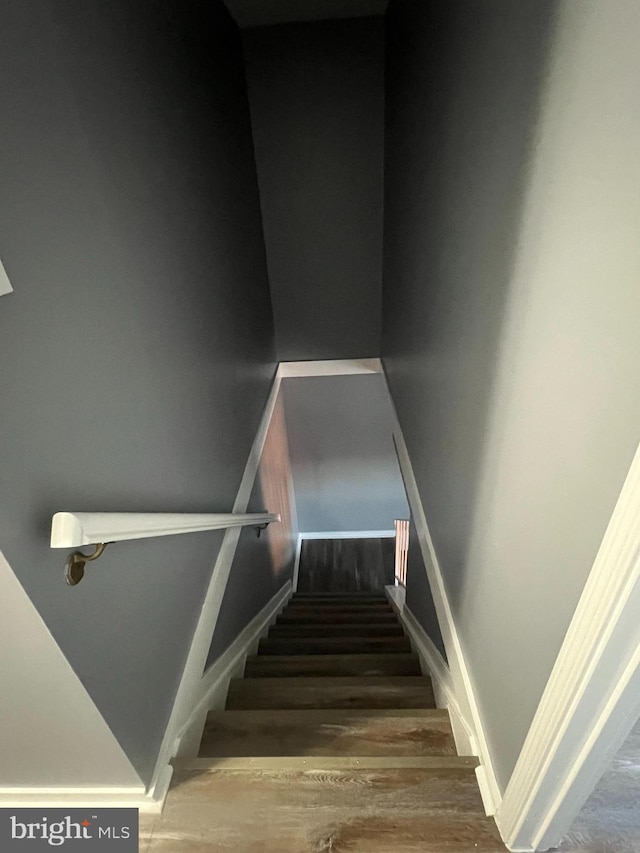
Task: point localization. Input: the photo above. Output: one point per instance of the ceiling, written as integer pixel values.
(258, 13)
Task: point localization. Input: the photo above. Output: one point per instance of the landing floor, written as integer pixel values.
(369, 811)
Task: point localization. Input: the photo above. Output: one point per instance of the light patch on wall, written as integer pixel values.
(276, 483)
(5, 284)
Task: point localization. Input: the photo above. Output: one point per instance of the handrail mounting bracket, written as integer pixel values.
(74, 566)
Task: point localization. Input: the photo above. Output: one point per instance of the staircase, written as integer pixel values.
(331, 742)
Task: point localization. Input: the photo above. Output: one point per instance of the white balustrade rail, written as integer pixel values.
(402, 550)
(70, 529)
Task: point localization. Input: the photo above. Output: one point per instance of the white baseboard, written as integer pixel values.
(46, 713)
(296, 565)
(329, 367)
(78, 798)
(434, 665)
(215, 682)
(397, 595)
(460, 685)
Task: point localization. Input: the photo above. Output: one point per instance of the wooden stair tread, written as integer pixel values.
(395, 663)
(327, 733)
(332, 692)
(384, 810)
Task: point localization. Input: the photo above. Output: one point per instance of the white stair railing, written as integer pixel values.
(73, 529)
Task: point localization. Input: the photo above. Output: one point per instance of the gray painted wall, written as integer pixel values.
(317, 106)
(345, 471)
(510, 311)
(137, 348)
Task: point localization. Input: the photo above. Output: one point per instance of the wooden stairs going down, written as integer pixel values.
(331, 742)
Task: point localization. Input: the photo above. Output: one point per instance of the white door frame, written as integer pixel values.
(592, 699)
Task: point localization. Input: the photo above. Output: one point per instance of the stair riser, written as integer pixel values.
(289, 618)
(300, 693)
(339, 599)
(338, 606)
(344, 629)
(325, 733)
(328, 614)
(263, 666)
(334, 645)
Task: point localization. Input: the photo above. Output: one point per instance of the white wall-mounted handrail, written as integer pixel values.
(71, 529)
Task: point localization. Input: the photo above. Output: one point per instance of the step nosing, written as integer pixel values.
(364, 713)
(354, 657)
(313, 763)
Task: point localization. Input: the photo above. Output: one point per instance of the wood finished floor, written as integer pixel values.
(345, 565)
(314, 753)
(374, 811)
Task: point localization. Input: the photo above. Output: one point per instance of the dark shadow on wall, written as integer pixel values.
(316, 92)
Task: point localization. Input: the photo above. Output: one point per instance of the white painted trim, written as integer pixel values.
(296, 565)
(214, 685)
(40, 736)
(78, 798)
(435, 666)
(592, 698)
(347, 534)
(462, 686)
(397, 596)
(70, 529)
(330, 367)
(189, 686)
(5, 284)
(438, 670)
(284, 763)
